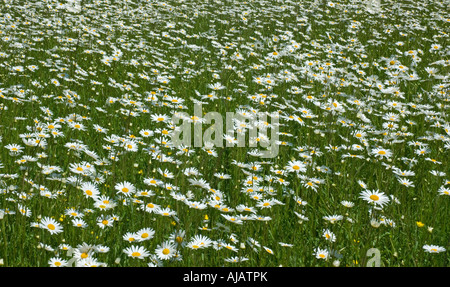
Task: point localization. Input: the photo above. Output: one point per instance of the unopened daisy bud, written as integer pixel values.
(336, 263)
(430, 229)
(242, 245)
(117, 261)
(1, 261)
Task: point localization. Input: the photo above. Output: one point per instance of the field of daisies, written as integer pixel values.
(357, 92)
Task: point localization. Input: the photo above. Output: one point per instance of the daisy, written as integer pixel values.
(89, 190)
(405, 182)
(51, 225)
(362, 184)
(333, 218)
(236, 259)
(296, 166)
(200, 241)
(102, 249)
(57, 262)
(24, 210)
(216, 86)
(78, 222)
(145, 234)
(130, 237)
(14, 149)
(177, 237)
(286, 244)
(347, 204)
(321, 253)
(166, 173)
(125, 188)
(90, 262)
(233, 219)
(146, 133)
(165, 212)
(374, 197)
(242, 207)
(150, 207)
(382, 153)
(399, 172)
(78, 168)
(159, 118)
(166, 250)
(222, 175)
(444, 191)
(104, 221)
(77, 126)
(138, 252)
(433, 249)
(130, 146)
(270, 251)
(300, 201)
(152, 181)
(265, 203)
(328, 235)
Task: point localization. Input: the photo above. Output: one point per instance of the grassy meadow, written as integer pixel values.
(89, 175)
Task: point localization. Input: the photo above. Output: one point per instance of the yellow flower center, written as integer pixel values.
(51, 226)
(136, 254)
(374, 197)
(166, 251)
